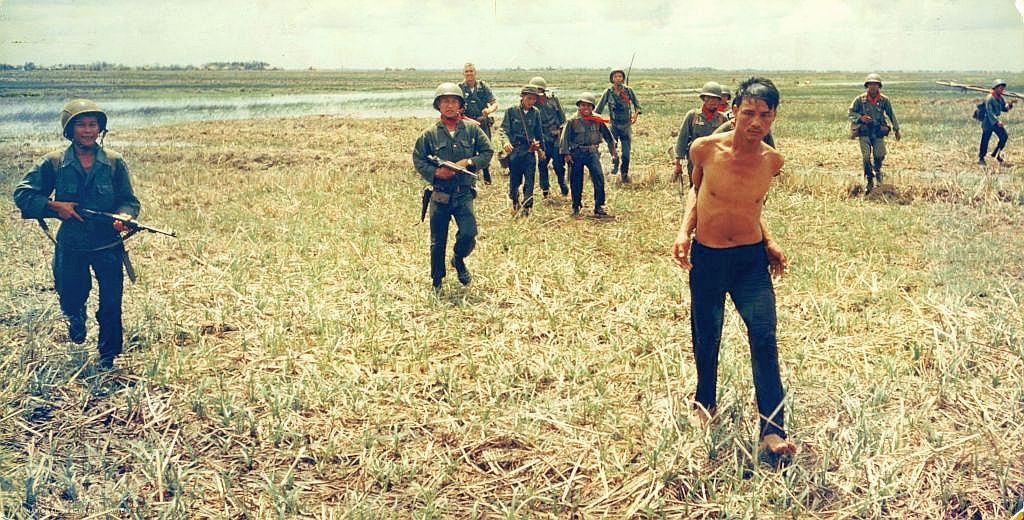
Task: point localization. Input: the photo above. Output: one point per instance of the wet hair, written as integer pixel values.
(757, 88)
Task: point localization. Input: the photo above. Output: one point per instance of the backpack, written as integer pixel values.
(979, 111)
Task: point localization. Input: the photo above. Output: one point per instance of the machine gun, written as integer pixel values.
(134, 226)
(438, 162)
(965, 88)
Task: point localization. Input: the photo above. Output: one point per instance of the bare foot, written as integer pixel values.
(777, 445)
(703, 415)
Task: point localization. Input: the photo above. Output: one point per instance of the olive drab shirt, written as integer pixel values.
(861, 106)
(580, 132)
(993, 108)
(552, 117)
(620, 110)
(106, 187)
(513, 131)
(468, 141)
(695, 125)
(476, 98)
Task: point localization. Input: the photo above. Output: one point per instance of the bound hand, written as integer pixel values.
(679, 168)
(65, 210)
(681, 252)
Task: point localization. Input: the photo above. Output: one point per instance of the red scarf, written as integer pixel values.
(996, 94)
(709, 115)
(874, 100)
(594, 119)
(621, 91)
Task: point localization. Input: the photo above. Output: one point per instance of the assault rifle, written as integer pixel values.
(965, 88)
(438, 162)
(134, 226)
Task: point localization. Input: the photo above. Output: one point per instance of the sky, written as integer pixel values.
(855, 35)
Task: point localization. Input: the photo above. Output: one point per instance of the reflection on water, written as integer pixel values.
(42, 114)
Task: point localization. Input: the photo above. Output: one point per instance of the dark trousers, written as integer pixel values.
(459, 208)
(73, 283)
(623, 133)
(986, 134)
(522, 169)
(485, 125)
(872, 153)
(557, 161)
(592, 160)
(742, 272)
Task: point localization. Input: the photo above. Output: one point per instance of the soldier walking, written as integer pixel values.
(465, 144)
(995, 105)
(552, 119)
(480, 104)
(579, 145)
(624, 111)
(521, 133)
(867, 119)
(699, 122)
(85, 175)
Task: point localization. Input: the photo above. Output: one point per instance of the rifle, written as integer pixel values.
(630, 69)
(134, 226)
(965, 88)
(427, 192)
(438, 162)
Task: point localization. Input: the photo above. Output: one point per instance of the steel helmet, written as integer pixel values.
(711, 89)
(77, 107)
(539, 82)
(587, 97)
(612, 73)
(529, 89)
(448, 89)
(873, 78)
(998, 82)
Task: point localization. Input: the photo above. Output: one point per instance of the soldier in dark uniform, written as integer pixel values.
(85, 175)
(455, 140)
(995, 105)
(521, 133)
(579, 144)
(867, 117)
(622, 102)
(480, 104)
(552, 118)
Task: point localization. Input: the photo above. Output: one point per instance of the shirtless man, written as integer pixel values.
(732, 252)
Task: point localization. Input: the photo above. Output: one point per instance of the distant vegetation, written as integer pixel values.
(104, 66)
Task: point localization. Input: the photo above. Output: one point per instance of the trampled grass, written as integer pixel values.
(286, 357)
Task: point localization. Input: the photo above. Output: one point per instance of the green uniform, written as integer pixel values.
(581, 139)
(520, 127)
(872, 135)
(621, 103)
(467, 141)
(80, 246)
(695, 125)
(477, 98)
(994, 107)
(552, 119)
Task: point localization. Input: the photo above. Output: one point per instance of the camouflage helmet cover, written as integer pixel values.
(77, 107)
(873, 78)
(587, 97)
(711, 89)
(448, 89)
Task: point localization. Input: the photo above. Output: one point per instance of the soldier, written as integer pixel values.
(725, 245)
(521, 133)
(579, 145)
(85, 175)
(725, 106)
(480, 104)
(995, 105)
(622, 100)
(466, 144)
(552, 118)
(867, 120)
(698, 123)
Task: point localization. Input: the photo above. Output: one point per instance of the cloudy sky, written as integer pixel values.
(854, 35)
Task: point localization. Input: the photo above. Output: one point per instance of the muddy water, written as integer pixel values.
(41, 115)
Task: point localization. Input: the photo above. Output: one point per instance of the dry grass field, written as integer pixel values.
(286, 357)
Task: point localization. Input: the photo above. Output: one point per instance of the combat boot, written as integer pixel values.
(870, 186)
(599, 212)
(878, 177)
(487, 176)
(459, 263)
(615, 167)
